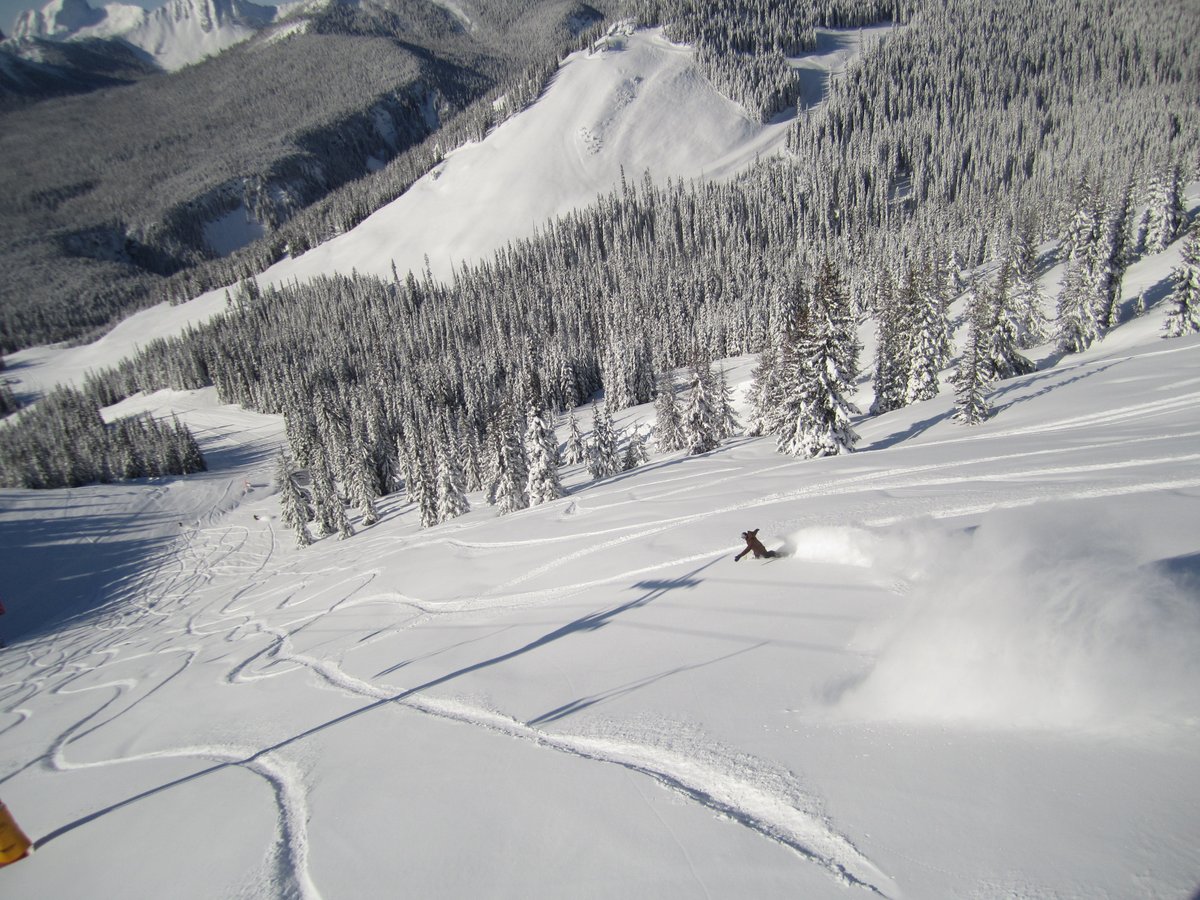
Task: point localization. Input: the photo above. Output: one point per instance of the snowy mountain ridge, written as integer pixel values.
(177, 34)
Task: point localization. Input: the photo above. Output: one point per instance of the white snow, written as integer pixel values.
(177, 34)
(639, 106)
(975, 674)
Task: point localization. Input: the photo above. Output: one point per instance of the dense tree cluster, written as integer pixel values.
(63, 441)
(743, 46)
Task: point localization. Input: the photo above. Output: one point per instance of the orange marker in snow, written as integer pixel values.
(14, 844)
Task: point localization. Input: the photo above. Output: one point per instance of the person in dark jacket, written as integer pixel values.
(754, 545)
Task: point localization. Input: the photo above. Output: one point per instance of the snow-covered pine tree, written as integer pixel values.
(1001, 341)
(293, 505)
(891, 351)
(727, 423)
(824, 422)
(1113, 258)
(928, 348)
(668, 428)
(791, 380)
(450, 482)
(699, 419)
(604, 458)
(330, 510)
(831, 301)
(1167, 214)
(514, 474)
(763, 393)
(576, 450)
(1184, 315)
(1025, 295)
(635, 450)
(973, 377)
(419, 485)
(541, 447)
(1076, 328)
(360, 482)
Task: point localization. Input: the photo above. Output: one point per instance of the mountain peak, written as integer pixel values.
(58, 19)
(177, 34)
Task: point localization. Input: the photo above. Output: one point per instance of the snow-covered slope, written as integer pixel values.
(637, 104)
(178, 34)
(973, 675)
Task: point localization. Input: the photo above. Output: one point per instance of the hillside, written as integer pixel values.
(973, 674)
(107, 193)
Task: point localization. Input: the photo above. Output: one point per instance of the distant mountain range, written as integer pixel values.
(175, 35)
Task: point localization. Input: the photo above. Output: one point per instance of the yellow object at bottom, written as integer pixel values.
(14, 844)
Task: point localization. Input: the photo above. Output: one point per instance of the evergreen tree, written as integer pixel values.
(451, 483)
(1025, 295)
(293, 504)
(1077, 327)
(973, 377)
(514, 465)
(891, 351)
(1166, 208)
(1001, 340)
(604, 459)
(700, 424)
(792, 377)
(763, 393)
(635, 450)
(1184, 315)
(330, 510)
(832, 303)
(929, 338)
(820, 413)
(668, 427)
(727, 423)
(361, 484)
(541, 447)
(576, 450)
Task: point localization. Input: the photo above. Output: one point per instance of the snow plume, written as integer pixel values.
(1032, 620)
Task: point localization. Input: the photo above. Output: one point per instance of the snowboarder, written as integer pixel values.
(755, 545)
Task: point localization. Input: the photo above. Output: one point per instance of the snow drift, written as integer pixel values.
(1030, 621)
